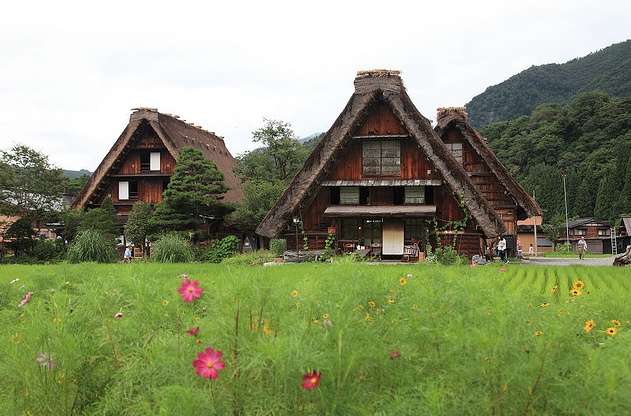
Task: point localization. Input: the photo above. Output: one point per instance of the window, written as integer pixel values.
(133, 190)
(371, 231)
(579, 231)
(414, 230)
(414, 194)
(123, 190)
(349, 195)
(145, 162)
(602, 233)
(456, 150)
(334, 195)
(154, 161)
(349, 229)
(381, 157)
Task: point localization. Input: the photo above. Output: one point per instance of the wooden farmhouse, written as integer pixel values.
(383, 179)
(140, 163)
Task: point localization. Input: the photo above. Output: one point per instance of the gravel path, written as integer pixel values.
(564, 261)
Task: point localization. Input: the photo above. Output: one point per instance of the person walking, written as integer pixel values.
(581, 247)
(501, 249)
(127, 255)
(531, 251)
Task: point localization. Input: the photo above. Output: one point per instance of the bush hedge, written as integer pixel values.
(171, 248)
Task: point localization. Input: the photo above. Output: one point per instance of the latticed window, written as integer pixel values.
(456, 150)
(414, 194)
(381, 157)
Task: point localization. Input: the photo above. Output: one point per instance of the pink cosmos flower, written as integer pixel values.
(193, 331)
(209, 363)
(311, 380)
(190, 290)
(25, 299)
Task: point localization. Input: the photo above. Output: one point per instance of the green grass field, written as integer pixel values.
(447, 340)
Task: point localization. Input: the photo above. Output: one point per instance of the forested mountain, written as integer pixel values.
(608, 70)
(588, 139)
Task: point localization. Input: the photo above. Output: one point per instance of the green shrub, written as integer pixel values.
(171, 248)
(90, 245)
(448, 256)
(222, 249)
(48, 250)
(278, 246)
(255, 258)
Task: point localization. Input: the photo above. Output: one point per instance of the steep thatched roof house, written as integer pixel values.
(499, 188)
(382, 177)
(141, 161)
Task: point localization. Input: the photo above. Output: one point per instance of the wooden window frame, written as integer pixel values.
(378, 170)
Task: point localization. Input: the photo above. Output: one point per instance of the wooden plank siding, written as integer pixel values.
(486, 182)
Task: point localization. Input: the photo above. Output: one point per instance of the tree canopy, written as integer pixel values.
(608, 70)
(588, 140)
(29, 184)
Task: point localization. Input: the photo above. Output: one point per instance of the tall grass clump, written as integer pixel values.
(90, 245)
(278, 246)
(171, 248)
(255, 258)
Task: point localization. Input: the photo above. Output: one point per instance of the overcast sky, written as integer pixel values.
(71, 71)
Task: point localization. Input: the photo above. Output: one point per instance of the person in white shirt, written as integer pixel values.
(581, 247)
(501, 249)
(127, 255)
(531, 251)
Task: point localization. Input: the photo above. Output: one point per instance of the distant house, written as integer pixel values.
(140, 163)
(526, 235)
(383, 179)
(597, 234)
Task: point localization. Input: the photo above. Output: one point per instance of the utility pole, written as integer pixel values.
(535, 225)
(567, 223)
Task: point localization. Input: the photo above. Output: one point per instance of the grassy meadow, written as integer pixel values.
(387, 340)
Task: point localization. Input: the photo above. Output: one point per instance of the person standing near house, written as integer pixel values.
(501, 249)
(127, 255)
(581, 247)
(531, 251)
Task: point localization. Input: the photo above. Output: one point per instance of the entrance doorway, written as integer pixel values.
(393, 238)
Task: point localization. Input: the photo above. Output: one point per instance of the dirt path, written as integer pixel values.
(564, 261)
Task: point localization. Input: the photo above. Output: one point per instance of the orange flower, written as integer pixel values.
(612, 331)
(615, 322)
(579, 284)
(538, 333)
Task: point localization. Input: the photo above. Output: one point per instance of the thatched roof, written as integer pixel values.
(372, 87)
(176, 135)
(458, 117)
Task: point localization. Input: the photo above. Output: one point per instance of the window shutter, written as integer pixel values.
(414, 194)
(349, 195)
(123, 190)
(154, 163)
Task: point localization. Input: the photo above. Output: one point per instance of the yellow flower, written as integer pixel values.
(575, 292)
(589, 325)
(612, 331)
(266, 328)
(538, 333)
(165, 302)
(325, 316)
(372, 304)
(403, 281)
(391, 300)
(294, 293)
(198, 341)
(544, 305)
(367, 317)
(316, 321)
(579, 284)
(555, 289)
(615, 322)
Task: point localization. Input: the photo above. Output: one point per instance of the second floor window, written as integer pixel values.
(456, 150)
(381, 158)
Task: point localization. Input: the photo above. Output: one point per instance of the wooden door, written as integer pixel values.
(393, 235)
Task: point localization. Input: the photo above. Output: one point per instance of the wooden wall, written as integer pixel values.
(485, 181)
(381, 121)
(131, 165)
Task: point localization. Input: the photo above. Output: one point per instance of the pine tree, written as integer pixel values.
(585, 199)
(607, 196)
(625, 196)
(194, 194)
